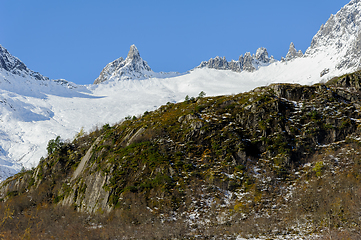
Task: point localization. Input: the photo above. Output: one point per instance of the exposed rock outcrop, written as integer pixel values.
(293, 53)
(247, 62)
(13, 65)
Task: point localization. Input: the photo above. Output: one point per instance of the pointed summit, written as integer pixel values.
(133, 67)
(133, 53)
(292, 52)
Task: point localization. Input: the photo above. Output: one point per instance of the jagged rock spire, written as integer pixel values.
(133, 53)
(247, 62)
(293, 53)
(262, 55)
(133, 67)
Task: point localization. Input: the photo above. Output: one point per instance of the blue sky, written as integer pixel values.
(75, 39)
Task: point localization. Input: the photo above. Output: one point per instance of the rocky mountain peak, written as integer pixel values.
(341, 35)
(9, 62)
(293, 53)
(341, 27)
(133, 67)
(262, 55)
(13, 65)
(133, 53)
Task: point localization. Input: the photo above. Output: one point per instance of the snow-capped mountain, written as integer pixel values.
(34, 109)
(13, 65)
(133, 67)
(340, 36)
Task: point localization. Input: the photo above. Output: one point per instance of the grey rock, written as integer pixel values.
(241, 157)
(85, 159)
(94, 199)
(235, 66)
(13, 65)
(247, 62)
(197, 125)
(262, 55)
(324, 72)
(216, 63)
(293, 53)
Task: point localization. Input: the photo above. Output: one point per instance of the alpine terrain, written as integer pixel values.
(254, 148)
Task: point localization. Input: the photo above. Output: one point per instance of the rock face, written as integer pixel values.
(174, 161)
(341, 35)
(13, 65)
(247, 62)
(292, 53)
(133, 67)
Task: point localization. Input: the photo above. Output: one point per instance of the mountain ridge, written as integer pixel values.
(341, 34)
(13, 65)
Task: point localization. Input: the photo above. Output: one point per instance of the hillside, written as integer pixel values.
(278, 161)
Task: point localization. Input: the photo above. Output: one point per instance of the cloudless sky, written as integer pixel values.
(75, 39)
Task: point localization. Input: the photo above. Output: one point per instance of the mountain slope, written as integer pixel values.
(224, 166)
(340, 36)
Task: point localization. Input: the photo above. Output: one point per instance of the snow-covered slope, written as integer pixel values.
(34, 109)
(340, 38)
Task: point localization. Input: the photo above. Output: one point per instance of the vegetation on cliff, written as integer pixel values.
(281, 159)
